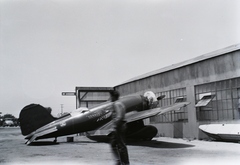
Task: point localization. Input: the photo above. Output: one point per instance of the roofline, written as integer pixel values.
(203, 57)
(94, 89)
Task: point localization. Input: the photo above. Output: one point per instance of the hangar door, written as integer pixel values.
(91, 96)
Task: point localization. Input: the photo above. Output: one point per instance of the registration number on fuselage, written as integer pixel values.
(101, 115)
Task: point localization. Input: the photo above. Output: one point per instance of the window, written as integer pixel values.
(219, 101)
(172, 96)
(205, 99)
(180, 99)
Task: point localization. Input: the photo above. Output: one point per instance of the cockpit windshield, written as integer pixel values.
(80, 110)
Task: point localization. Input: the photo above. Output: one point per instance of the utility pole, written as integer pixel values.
(61, 109)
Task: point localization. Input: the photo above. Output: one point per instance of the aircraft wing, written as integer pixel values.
(153, 112)
(136, 115)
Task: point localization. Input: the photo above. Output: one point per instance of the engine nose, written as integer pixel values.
(152, 99)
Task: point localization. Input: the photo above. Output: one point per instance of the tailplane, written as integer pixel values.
(34, 116)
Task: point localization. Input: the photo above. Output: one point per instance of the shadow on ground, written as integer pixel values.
(48, 143)
(152, 143)
(159, 144)
(43, 143)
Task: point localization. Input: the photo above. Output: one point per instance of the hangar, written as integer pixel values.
(211, 82)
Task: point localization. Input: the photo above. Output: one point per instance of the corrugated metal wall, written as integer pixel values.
(217, 68)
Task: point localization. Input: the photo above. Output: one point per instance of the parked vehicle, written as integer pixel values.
(8, 123)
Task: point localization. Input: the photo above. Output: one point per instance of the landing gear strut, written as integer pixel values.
(55, 140)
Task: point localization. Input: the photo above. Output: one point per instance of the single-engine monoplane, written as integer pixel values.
(36, 121)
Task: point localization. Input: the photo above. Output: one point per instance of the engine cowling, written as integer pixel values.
(151, 99)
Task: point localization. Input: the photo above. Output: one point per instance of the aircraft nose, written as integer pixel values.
(151, 97)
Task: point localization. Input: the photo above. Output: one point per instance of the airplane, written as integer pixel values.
(36, 121)
(222, 132)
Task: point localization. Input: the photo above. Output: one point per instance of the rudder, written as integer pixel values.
(34, 116)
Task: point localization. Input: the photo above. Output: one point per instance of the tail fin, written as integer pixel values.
(34, 116)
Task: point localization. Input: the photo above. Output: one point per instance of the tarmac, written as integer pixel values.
(159, 151)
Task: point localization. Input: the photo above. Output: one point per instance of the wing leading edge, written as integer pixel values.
(156, 111)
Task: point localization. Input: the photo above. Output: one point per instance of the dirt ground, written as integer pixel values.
(159, 151)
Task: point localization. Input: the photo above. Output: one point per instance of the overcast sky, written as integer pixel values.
(52, 46)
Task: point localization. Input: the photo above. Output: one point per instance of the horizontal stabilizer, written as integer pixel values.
(42, 133)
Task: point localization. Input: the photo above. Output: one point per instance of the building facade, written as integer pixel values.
(211, 83)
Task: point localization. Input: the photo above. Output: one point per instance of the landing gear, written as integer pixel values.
(145, 133)
(55, 140)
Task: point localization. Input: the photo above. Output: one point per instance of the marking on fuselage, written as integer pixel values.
(63, 124)
(90, 116)
(105, 116)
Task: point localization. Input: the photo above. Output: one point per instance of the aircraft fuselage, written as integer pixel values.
(87, 120)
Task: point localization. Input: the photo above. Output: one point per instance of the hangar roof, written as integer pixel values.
(213, 54)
